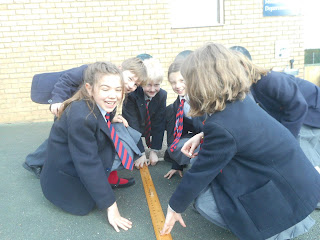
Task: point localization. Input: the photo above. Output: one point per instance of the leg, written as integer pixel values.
(34, 161)
(309, 140)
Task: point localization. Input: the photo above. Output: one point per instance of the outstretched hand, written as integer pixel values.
(192, 144)
(172, 172)
(171, 218)
(116, 220)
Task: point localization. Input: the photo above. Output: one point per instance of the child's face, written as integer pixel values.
(131, 81)
(107, 93)
(177, 83)
(151, 89)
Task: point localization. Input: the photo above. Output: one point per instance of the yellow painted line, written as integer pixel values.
(155, 209)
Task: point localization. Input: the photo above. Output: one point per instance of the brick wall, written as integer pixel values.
(39, 36)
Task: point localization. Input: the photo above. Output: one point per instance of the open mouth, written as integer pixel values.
(110, 103)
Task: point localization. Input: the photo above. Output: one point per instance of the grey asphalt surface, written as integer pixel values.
(25, 214)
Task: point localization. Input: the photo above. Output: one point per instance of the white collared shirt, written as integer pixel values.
(186, 106)
(103, 113)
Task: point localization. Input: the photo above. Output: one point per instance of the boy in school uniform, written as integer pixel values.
(54, 88)
(179, 126)
(144, 109)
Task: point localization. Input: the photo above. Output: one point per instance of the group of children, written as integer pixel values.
(248, 172)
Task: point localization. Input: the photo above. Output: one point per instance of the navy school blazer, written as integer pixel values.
(56, 87)
(292, 101)
(134, 111)
(267, 184)
(80, 156)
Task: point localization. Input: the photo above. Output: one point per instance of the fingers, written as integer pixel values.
(180, 173)
(166, 229)
(125, 122)
(123, 223)
(153, 162)
(170, 174)
(114, 225)
(54, 110)
(181, 222)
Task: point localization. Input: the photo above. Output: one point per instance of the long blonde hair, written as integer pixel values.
(254, 71)
(214, 76)
(93, 73)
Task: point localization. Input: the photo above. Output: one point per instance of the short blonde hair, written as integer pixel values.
(154, 70)
(137, 67)
(214, 76)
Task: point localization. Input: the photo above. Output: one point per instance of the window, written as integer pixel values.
(199, 13)
(312, 56)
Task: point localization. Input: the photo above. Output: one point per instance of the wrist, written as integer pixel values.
(170, 209)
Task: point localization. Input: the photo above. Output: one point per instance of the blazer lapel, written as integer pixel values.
(102, 122)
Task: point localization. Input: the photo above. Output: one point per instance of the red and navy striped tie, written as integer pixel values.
(178, 127)
(147, 132)
(126, 159)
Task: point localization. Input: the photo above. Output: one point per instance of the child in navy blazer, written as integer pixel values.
(81, 152)
(54, 88)
(191, 126)
(294, 102)
(144, 110)
(251, 175)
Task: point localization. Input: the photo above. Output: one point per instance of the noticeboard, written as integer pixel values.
(281, 8)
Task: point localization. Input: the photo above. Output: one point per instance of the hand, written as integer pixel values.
(172, 172)
(141, 161)
(153, 157)
(116, 220)
(54, 108)
(120, 119)
(190, 145)
(171, 219)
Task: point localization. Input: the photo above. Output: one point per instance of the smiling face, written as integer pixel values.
(131, 81)
(151, 89)
(107, 93)
(177, 83)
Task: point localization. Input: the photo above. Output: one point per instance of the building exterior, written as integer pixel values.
(39, 36)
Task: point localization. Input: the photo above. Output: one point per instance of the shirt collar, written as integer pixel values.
(147, 98)
(103, 112)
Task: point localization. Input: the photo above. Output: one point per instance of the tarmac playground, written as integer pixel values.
(25, 214)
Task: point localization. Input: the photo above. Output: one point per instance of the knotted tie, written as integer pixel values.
(147, 132)
(126, 159)
(178, 127)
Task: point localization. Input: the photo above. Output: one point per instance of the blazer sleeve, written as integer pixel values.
(67, 84)
(158, 122)
(284, 91)
(83, 147)
(217, 150)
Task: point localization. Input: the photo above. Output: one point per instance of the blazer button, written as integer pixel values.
(108, 169)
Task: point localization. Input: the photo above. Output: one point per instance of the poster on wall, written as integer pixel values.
(281, 8)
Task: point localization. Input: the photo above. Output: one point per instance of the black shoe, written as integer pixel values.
(36, 170)
(130, 182)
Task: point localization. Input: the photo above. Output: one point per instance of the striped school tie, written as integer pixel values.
(126, 159)
(147, 132)
(178, 127)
